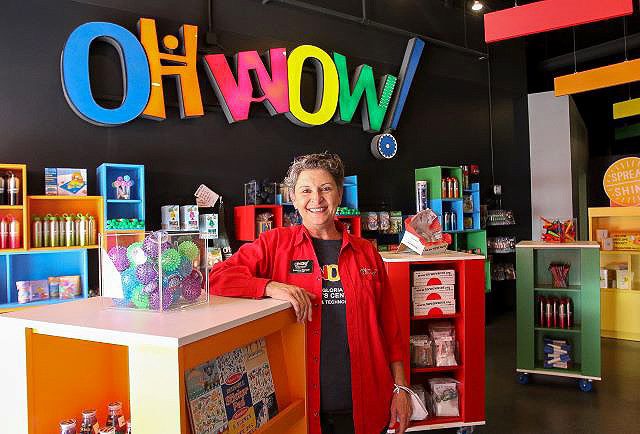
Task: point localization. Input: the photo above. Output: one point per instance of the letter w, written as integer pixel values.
(373, 109)
(236, 97)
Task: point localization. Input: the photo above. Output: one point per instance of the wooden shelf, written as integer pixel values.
(62, 248)
(435, 369)
(620, 252)
(574, 329)
(550, 288)
(11, 206)
(429, 317)
(286, 418)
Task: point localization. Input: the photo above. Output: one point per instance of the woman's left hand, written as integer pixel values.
(400, 411)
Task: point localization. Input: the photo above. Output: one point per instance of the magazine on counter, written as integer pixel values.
(232, 394)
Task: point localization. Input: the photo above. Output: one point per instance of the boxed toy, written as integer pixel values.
(434, 277)
(170, 217)
(39, 290)
(69, 286)
(54, 287)
(65, 182)
(24, 291)
(439, 292)
(434, 307)
(626, 241)
(189, 217)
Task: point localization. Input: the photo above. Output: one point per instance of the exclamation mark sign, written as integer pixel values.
(407, 71)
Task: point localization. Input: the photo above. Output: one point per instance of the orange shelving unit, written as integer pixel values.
(43, 205)
(245, 219)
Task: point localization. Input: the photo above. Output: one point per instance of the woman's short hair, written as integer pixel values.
(332, 163)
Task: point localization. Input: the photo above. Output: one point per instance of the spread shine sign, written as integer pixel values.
(274, 77)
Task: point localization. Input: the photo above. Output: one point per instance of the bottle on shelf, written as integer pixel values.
(67, 231)
(14, 232)
(115, 418)
(13, 189)
(92, 233)
(68, 426)
(4, 233)
(89, 422)
(54, 231)
(223, 239)
(107, 430)
(37, 232)
(3, 191)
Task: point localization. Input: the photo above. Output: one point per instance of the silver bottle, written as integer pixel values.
(92, 238)
(81, 235)
(46, 236)
(37, 232)
(13, 189)
(3, 191)
(54, 232)
(68, 237)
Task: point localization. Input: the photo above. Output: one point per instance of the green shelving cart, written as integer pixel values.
(534, 280)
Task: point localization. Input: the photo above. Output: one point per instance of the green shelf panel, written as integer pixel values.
(434, 175)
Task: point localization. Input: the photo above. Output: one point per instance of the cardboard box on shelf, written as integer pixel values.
(60, 181)
(434, 277)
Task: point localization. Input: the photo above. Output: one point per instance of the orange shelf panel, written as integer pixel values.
(43, 205)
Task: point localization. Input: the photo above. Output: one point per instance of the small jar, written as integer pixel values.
(68, 426)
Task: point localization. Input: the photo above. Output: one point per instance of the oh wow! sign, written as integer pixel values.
(277, 76)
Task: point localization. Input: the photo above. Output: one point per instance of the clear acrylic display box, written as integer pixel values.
(155, 271)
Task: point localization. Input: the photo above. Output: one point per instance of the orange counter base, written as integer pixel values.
(51, 376)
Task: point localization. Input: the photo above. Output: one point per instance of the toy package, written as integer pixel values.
(424, 234)
(444, 397)
(24, 291)
(69, 286)
(558, 231)
(54, 287)
(421, 351)
(170, 217)
(189, 220)
(443, 334)
(39, 290)
(65, 182)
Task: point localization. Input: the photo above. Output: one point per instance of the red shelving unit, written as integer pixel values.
(469, 324)
(244, 218)
(356, 224)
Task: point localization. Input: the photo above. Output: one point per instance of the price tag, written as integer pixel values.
(205, 197)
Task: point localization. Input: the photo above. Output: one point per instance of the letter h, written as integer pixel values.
(180, 66)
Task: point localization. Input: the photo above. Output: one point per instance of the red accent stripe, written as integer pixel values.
(550, 15)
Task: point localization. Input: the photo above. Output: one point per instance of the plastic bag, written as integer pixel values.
(443, 334)
(421, 351)
(444, 397)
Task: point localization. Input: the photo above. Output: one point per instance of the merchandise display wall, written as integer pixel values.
(449, 91)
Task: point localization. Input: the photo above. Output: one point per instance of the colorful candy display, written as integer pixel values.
(558, 231)
(142, 262)
(123, 185)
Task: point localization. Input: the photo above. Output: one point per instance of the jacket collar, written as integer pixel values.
(303, 233)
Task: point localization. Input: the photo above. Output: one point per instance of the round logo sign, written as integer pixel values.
(622, 182)
(384, 146)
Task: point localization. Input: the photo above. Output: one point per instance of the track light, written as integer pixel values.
(477, 6)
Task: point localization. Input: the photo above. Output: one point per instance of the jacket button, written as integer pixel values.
(316, 414)
(315, 359)
(316, 305)
(315, 386)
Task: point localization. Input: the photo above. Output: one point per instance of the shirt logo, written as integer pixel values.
(330, 273)
(368, 271)
(304, 266)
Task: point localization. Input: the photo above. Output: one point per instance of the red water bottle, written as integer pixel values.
(569, 313)
(548, 312)
(562, 313)
(541, 307)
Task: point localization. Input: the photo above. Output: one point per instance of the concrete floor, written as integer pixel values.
(550, 405)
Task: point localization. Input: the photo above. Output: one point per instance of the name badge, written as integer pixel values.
(302, 267)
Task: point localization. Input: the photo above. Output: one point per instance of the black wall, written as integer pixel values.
(446, 119)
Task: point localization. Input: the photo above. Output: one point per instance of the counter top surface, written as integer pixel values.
(573, 245)
(92, 319)
(414, 257)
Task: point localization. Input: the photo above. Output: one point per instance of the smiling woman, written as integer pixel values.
(338, 284)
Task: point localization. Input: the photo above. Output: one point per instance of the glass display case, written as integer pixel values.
(156, 271)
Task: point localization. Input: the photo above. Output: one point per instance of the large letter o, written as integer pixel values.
(74, 66)
(326, 89)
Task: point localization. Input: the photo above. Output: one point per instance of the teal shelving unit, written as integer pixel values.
(39, 265)
(534, 280)
(132, 208)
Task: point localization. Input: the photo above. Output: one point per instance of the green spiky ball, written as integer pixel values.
(170, 260)
(140, 298)
(136, 254)
(189, 249)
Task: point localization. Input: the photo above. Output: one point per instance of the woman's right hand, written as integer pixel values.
(298, 297)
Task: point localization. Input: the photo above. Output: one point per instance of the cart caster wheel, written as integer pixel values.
(585, 385)
(523, 378)
(465, 430)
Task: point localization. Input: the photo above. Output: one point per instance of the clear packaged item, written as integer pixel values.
(420, 390)
(115, 418)
(443, 334)
(155, 271)
(444, 397)
(421, 351)
(371, 221)
(89, 422)
(264, 222)
(384, 223)
(68, 426)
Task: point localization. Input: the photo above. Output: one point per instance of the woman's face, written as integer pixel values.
(316, 197)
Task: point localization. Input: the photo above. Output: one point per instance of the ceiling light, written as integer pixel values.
(477, 6)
